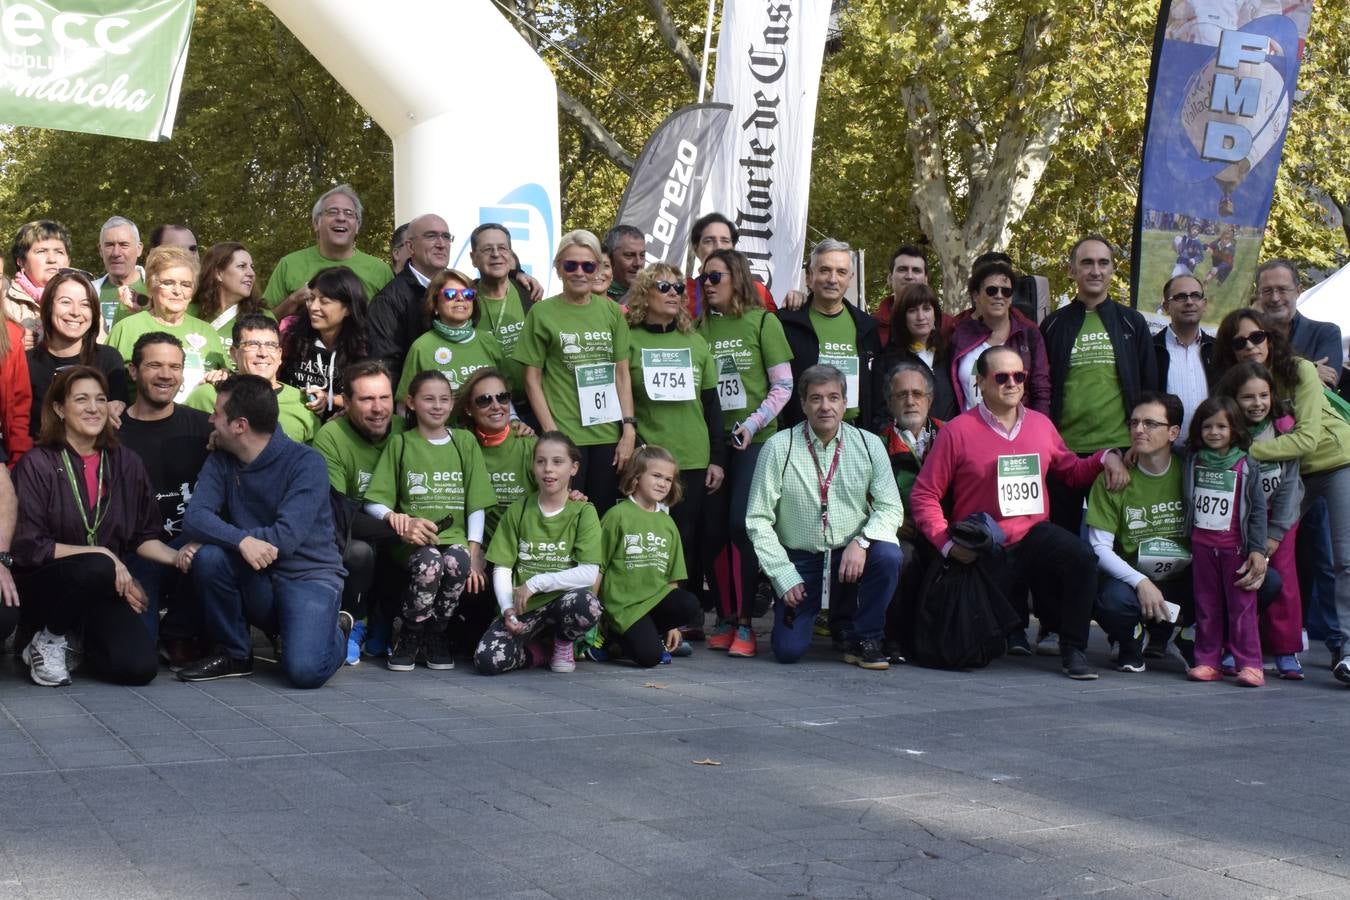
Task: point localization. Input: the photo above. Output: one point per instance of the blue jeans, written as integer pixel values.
(232, 597)
(1317, 574)
(873, 593)
(165, 583)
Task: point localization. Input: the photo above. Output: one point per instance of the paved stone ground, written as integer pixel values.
(834, 782)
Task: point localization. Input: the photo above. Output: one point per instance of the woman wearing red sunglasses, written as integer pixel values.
(575, 351)
(994, 323)
(453, 344)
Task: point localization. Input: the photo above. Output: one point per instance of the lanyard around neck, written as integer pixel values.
(100, 509)
(823, 478)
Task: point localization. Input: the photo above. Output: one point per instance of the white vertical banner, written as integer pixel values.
(769, 56)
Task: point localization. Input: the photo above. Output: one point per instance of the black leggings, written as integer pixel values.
(596, 477)
(361, 559)
(690, 516)
(645, 639)
(79, 590)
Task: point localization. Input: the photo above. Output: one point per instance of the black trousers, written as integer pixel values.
(368, 568)
(690, 516)
(646, 638)
(1061, 571)
(76, 591)
(596, 477)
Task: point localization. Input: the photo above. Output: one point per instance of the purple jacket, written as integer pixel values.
(1025, 338)
(48, 514)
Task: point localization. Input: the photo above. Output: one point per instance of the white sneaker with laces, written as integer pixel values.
(45, 656)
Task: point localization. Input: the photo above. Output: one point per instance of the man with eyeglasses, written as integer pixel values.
(350, 445)
(1139, 535)
(831, 331)
(397, 315)
(336, 218)
(1185, 353)
(257, 351)
(505, 295)
(1277, 293)
(995, 459)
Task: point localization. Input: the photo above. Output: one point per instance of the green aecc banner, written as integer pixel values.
(109, 67)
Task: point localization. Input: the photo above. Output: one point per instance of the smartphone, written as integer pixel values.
(736, 437)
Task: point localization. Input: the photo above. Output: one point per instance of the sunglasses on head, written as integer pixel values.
(713, 277)
(571, 265)
(666, 287)
(483, 401)
(997, 290)
(1255, 338)
(459, 293)
(1014, 377)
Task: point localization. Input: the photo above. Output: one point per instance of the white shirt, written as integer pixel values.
(1185, 376)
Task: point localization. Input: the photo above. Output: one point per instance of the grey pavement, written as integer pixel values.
(833, 782)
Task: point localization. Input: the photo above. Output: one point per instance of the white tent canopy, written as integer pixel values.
(1329, 301)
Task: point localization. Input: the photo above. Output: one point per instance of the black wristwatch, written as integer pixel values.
(629, 420)
(6, 560)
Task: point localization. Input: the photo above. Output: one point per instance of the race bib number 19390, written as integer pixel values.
(1020, 485)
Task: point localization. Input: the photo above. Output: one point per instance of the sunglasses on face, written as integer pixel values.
(571, 265)
(1255, 338)
(483, 401)
(666, 287)
(997, 290)
(713, 277)
(459, 293)
(1014, 377)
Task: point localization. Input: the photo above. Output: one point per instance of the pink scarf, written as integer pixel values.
(32, 290)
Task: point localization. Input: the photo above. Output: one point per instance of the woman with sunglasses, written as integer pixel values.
(70, 324)
(453, 344)
(675, 400)
(916, 336)
(326, 337)
(754, 382)
(575, 351)
(1320, 439)
(994, 323)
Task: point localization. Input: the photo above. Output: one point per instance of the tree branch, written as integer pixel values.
(595, 131)
(923, 136)
(671, 35)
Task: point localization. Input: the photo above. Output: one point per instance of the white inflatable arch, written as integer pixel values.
(472, 111)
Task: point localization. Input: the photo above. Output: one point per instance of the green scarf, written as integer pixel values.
(1220, 461)
(1257, 429)
(451, 333)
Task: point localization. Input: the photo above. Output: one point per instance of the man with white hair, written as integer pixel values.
(119, 245)
(337, 221)
(831, 331)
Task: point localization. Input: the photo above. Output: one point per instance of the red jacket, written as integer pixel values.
(16, 397)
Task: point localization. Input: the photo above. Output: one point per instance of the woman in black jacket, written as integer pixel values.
(916, 336)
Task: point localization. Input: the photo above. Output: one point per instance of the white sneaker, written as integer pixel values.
(45, 656)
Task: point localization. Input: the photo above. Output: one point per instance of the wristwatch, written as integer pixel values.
(6, 560)
(629, 420)
(862, 542)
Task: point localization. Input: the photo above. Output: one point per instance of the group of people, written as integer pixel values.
(399, 461)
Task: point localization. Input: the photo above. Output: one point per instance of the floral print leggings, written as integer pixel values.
(436, 578)
(565, 618)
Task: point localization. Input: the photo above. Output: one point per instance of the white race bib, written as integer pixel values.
(1213, 499)
(1019, 485)
(849, 366)
(730, 388)
(668, 374)
(1162, 558)
(1271, 474)
(597, 394)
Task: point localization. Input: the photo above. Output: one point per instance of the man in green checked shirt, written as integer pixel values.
(823, 515)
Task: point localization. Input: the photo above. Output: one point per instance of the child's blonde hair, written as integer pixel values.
(637, 464)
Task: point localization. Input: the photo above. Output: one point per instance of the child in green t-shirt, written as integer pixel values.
(431, 486)
(643, 561)
(546, 555)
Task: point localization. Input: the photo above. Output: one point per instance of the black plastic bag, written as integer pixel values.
(963, 619)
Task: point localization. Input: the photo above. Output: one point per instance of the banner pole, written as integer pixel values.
(707, 48)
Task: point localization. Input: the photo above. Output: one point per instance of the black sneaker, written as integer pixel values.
(893, 653)
(867, 655)
(403, 658)
(838, 642)
(346, 623)
(1131, 657)
(1342, 670)
(218, 665)
(439, 656)
(1018, 645)
(1076, 665)
(1156, 648)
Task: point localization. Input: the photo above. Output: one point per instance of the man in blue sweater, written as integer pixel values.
(269, 555)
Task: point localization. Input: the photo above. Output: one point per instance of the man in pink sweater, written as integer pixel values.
(994, 459)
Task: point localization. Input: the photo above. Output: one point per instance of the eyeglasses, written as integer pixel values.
(483, 401)
(334, 212)
(255, 346)
(493, 249)
(1148, 424)
(1281, 291)
(1191, 296)
(666, 287)
(712, 277)
(997, 290)
(459, 294)
(910, 395)
(571, 265)
(1255, 338)
(437, 235)
(1014, 377)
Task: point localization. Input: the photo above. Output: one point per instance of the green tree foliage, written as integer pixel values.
(261, 131)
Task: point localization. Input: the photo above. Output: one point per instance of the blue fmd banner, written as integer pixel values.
(1220, 93)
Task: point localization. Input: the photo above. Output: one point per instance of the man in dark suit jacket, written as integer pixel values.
(1185, 353)
(1277, 292)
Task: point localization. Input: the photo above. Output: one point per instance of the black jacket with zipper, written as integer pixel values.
(1136, 364)
(805, 346)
